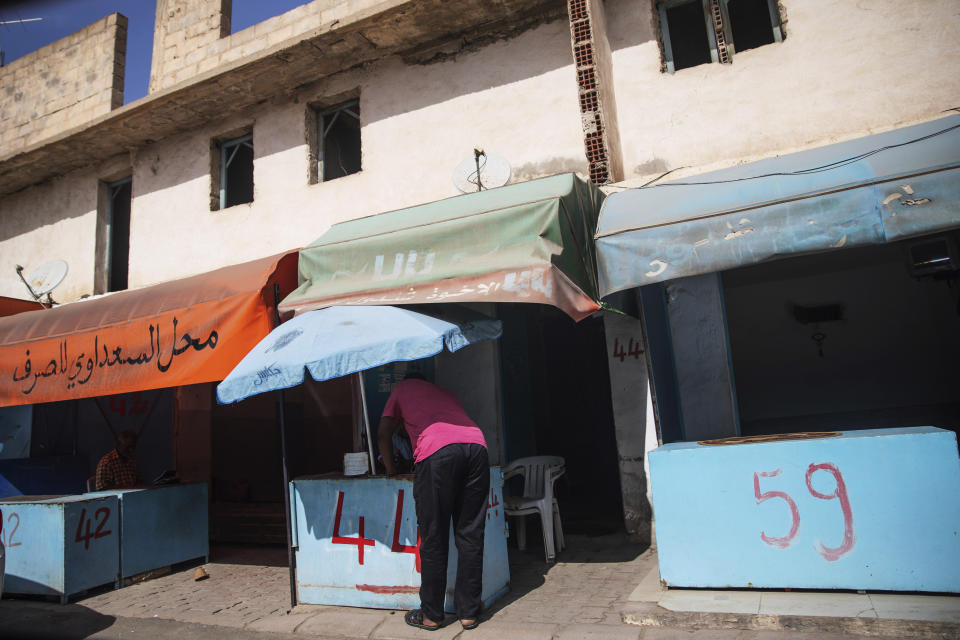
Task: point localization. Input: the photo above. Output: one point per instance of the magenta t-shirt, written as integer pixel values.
(433, 417)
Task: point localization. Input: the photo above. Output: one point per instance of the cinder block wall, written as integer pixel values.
(63, 85)
(182, 31)
(193, 36)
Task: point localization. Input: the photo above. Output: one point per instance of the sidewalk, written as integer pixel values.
(603, 587)
(868, 614)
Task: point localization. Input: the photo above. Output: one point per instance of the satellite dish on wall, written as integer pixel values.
(482, 171)
(44, 279)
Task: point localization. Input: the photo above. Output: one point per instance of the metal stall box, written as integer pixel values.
(875, 509)
(357, 542)
(60, 546)
(161, 526)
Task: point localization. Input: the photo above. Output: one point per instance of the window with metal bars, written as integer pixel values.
(696, 32)
(236, 171)
(338, 141)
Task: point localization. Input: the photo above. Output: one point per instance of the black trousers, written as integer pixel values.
(452, 484)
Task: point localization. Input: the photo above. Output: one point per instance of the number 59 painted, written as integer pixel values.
(840, 493)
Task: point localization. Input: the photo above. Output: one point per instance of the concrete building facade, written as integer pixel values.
(586, 86)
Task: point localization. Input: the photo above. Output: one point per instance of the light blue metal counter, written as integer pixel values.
(876, 509)
(161, 526)
(60, 546)
(357, 543)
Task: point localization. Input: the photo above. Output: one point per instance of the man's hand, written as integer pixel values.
(388, 426)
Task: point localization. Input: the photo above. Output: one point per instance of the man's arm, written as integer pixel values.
(103, 481)
(388, 426)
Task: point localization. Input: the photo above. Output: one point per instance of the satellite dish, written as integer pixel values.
(44, 279)
(494, 171)
(47, 276)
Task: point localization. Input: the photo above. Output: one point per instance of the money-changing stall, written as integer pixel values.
(355, 537)
(357, 542)
(60, 546)
(530, 242)
(64, 545)
(874, 509)
(161, 526)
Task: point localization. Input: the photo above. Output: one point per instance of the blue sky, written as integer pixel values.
(63, 17)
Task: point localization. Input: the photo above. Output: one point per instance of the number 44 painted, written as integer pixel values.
(840, 493)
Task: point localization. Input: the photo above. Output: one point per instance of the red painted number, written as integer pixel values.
(396, 547)
(360, 541)
(633, 349)
(782, 542)
(137, 404)
(84, 534)
(6, 538)
(492, 503)
(840, 493)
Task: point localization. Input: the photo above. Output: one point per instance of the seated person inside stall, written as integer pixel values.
(118, 469)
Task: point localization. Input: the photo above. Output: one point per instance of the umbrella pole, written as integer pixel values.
(366, 422)
(282, 415)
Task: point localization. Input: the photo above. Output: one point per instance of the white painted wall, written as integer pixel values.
(845, 69)
(55, 220)
(418, 122)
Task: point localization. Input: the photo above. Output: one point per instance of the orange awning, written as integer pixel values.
(13, 306)
(175, 333)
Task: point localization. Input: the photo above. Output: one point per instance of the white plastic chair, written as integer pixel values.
(539, 475)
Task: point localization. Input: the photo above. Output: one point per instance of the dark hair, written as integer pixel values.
(414, 375)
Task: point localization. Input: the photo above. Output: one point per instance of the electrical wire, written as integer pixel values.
(801, 172)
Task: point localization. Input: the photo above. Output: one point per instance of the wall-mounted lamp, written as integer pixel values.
(816, 315)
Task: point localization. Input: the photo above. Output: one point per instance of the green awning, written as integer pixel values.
(527, 242)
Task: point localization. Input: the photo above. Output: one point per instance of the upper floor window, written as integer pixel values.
(234, 178)
(700, 31)
(338, 141)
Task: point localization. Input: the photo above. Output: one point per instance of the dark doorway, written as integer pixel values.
(556, 390)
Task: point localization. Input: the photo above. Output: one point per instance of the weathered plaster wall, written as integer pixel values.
(845, 69)
(63, 85)
(702, 357)
(632, 416)
(56, 220)
(418, 122)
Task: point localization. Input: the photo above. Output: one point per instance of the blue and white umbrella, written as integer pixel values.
(338, 341)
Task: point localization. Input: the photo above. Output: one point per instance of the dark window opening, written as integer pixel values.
(695, 32)
(339, 137)
(689, 42)
(118, 233)
(236, 171)
(750, 22)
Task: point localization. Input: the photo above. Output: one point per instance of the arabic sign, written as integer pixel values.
(188, 346)
(173, 334)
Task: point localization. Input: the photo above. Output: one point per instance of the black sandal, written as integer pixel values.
(472, 625)
(415, 618)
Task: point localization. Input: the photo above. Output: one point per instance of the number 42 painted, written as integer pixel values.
(840, 493)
